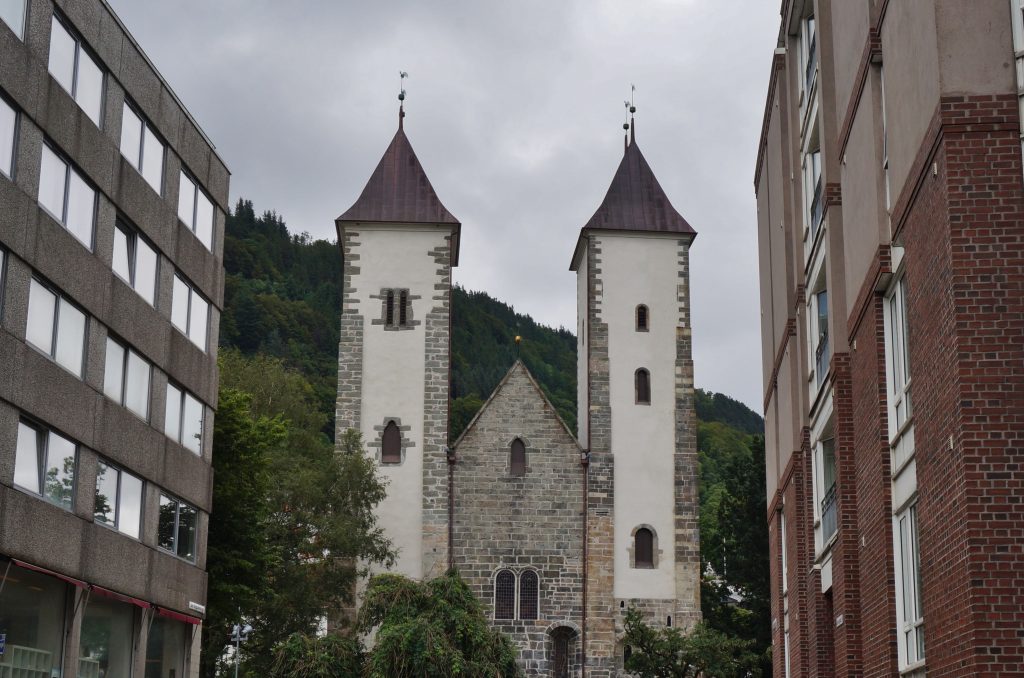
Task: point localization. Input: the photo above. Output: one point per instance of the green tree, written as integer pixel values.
(310, 657)
(702, 653)
(432, 629)
(239, 555)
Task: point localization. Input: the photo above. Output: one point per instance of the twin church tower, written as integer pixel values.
(558, 533)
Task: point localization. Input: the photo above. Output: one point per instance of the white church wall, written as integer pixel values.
(394, 372)
(642, 269)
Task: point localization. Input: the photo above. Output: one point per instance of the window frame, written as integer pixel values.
(650, 563)
(899, 377)
(116, 525)
(904, 624)
(60, 299)
(512, 601)
(20, 30)
(174, 550)
(80, 46)
(42, 435)
(643, 318)
(639, 394)
(13, 160)
(387, 456)
(187, 330)
(517, 467)
(179, 438)
(187, 178)
(139, 162)
(519, 595)
(64, 217)
(133, 237)
(127, 351)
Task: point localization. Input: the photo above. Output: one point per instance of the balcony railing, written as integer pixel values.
(822, 356)
(812, 63)
(817, 210)
(828, 514)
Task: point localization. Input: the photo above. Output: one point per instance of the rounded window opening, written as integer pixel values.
(643, 548)
(505, 595)
(391, 444)
(517, 461)
(643, 386)
(642, 318)
(529, 595)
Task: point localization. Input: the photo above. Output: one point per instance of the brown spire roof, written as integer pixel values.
(398, 191)
(636, 201)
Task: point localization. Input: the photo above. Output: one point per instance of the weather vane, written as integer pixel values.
(402, 75)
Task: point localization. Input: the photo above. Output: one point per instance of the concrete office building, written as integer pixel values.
(890, 200)
(112, 206)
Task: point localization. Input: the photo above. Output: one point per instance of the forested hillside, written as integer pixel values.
(282, 299)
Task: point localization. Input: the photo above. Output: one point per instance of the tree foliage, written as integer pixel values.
(704, 652)
(433, 629)
(331, 656)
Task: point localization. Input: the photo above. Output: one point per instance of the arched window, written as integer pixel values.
(529, 594)
(643, 548)
(505, 595)
(643, 386)
(517, 461)
(391, 444)
(389, 308)
(403, 303)
(641, 318)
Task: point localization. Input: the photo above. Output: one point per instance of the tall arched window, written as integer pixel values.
(643, 386)
(643, 548)
(517, 461)
(391, 444)
(403, 303)
(641, 318)
(529, 594)
(389, 308)
(505, 595)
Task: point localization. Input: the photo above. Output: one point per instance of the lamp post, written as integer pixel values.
(239, 634)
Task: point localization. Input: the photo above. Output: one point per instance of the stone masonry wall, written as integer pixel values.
(350, 346)
(524, 522)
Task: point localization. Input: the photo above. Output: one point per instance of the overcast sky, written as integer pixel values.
(515, 109)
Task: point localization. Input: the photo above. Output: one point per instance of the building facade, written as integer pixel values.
(112, 205)
(890, 199)
(555, 537)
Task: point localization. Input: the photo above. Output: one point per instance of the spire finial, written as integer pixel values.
(632, 110)
(402, 75)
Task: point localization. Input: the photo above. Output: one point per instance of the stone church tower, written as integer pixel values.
(558, 535)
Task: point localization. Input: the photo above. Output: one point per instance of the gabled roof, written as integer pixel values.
(398, 191)
(517, 366)
(635, 200)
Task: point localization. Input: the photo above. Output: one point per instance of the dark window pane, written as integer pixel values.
(403, 303)
(389, 309)
(504, 595)
(529, 590)
(168, 517)
(643, 386)
(641, 317)
(106, 494)
(187, 532)
(518, 461)
(644, 548)
(391, 444)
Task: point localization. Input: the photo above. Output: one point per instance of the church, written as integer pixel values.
(557, 532)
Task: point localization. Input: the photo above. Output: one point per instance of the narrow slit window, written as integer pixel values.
(641, 318)
(643, 548)
(389, 308)
(505, 595)
(643, 386)
(391, 444)
(403, 303)
(529, 594)
(517, 462)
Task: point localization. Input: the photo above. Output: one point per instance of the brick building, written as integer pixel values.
(112, 204)
(890, 195)
(556, 537)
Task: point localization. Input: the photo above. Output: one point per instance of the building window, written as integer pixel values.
(827, 452)
(885, 136)
(517, 458)
(641, 318)
(108, 634)
(126, 378)
(44, 464)
(190, 312)
(782, 549)
(1017, 20)
(391, 444)
(901, 408)
(75, 70)
(817, 331)
(142, 148)
(176, 530)
(13, 14)
(56, 327)
(32, 615)
(403, 308)
(195, 210)
(643, 548)
(529, 595)
(8, 135)
(183, 419)
(389, 308)
(118, 499)
(643, 386)
(67, 197)
(165, 648)
(809, 53)
(135, 262)
(396, 309)
(909, 600)
(505, 595)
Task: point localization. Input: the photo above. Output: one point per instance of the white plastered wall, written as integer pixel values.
(394, 371)
(642, 269)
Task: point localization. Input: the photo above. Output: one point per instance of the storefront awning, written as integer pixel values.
(119, 596)
(177, 616)
(51, 573)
